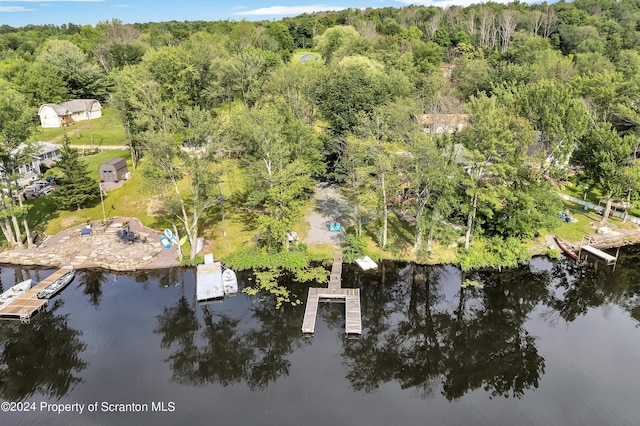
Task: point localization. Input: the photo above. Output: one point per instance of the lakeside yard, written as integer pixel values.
(131, 200)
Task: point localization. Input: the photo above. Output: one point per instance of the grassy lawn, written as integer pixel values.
(594, 195)
(237, 231)
(107, 130)
(400, 239)
(129, 200)
(400, 244)
(577, 190)
(132, 201)
(574, 231)
(93, 162)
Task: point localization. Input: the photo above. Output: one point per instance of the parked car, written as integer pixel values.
(31, 192)
(46, 190)
(40, 184)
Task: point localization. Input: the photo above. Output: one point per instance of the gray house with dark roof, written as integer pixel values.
(42, 153)
(67, 113)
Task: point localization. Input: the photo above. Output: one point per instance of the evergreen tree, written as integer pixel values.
(77, 188)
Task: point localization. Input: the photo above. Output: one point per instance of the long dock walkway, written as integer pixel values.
(609, 259)
(351, 297)
(24, 306)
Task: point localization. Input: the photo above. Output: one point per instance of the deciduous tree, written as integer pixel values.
(16, 127)
(82, 78)
(606, 158)
(168, 166)
(495, 144)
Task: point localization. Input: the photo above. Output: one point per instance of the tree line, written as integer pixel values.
(541, 87)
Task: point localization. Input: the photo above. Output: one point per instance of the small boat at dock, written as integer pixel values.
(565, 247)
(230, 282)
(366, 263)
(57, 285)
(8, 296)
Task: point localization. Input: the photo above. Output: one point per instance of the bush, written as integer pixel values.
(355, 247)
(187, 261)
(269, 267)
(493, 253)
(256, 258)
(553, 254)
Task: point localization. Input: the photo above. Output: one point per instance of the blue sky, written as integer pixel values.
(18, 13)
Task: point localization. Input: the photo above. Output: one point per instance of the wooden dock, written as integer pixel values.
(310, 312)
(351, 297)
(27, 304)
(353, 317)
(609, 259)
(335, 279)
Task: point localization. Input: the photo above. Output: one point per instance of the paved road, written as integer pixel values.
(102, 147)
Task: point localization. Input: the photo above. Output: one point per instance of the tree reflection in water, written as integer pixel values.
(41, 357)
(580, 287)
(475, 340)
(226, 350)
(421, 328)
(92, 280)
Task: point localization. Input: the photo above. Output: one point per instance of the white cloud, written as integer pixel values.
(447, 3)
(289, 10)
(13, 9)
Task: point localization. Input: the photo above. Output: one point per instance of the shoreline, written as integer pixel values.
(103, 249)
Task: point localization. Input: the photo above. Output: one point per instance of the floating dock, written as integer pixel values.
(209, 280)
(351, 297)
(24, 306)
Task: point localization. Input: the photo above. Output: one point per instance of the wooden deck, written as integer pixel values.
(310, 312)
(27, 304)
(599, 253)
(351, 297)
(353, 323)
(335, 279)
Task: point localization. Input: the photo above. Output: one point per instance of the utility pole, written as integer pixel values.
(104, 215)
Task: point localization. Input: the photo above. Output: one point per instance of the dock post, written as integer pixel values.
(580, 248)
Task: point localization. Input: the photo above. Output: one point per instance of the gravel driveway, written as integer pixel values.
(331, 206)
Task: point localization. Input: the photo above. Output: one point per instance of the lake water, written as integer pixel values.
(549, 344)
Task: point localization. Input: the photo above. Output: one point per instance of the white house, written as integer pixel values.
(66, 113)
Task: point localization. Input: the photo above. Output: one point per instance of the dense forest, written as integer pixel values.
(462, 119)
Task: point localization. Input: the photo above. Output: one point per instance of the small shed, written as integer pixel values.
(113, 170)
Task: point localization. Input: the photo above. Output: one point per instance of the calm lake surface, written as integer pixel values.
(554, 343)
